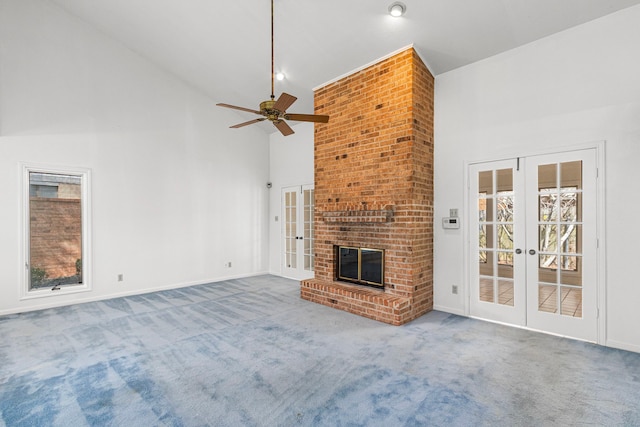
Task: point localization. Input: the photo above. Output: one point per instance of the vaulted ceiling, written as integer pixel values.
(223, 48)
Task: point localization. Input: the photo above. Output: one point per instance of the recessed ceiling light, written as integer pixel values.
(397, 9)
(279, 76)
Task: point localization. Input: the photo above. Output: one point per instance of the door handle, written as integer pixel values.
(518, 251)
(532, 251)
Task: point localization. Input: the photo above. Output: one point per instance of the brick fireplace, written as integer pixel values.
(374, 187)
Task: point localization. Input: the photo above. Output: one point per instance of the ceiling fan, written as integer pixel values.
(276, 110)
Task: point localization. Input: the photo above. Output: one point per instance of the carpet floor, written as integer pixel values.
(250, 352)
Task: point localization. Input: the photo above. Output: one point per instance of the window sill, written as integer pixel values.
(48, 292)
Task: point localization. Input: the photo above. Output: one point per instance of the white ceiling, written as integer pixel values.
(223, 48)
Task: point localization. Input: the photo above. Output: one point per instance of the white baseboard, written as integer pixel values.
(623, 346)
(51, 304)
(451, 310)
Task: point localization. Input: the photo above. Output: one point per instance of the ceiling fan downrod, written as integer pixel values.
(276, 110)
(272, 61)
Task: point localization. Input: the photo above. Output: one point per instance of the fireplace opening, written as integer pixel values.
(364, 266)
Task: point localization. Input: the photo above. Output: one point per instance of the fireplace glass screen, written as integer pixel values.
(361, 265)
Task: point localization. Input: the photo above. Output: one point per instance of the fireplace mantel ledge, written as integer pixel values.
(368, 215)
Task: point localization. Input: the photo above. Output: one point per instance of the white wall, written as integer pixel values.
(575, 87)
(175, 193)
(291, 163)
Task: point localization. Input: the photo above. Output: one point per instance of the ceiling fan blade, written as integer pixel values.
(316, 118)
(284, 102)
(283, 127)
(249, 110)
(250, 122)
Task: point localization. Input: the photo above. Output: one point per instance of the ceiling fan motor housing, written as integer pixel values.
(266, 107)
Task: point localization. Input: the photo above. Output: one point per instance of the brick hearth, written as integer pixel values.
(374, 187)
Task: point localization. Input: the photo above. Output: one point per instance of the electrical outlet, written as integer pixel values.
(120, 277)
(453, 212)
(454, 289)
(227, 264)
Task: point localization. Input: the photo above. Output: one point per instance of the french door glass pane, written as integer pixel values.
(505, 278)
(548, 206)
(486, 289)
(505, 292)
(571, 304)
(505, 236)
(485, 182)
(482, 208)
(505, 258)
(569, 238)
(568, 206)
(571, 174)
(547, 298)
(547, 176)
(505, 206)
(504, 180)
(485, 236)
(548, 238)
(571, 271)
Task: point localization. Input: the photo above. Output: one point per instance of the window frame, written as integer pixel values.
(85, 209)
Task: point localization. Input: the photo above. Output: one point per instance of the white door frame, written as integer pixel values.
(601, 284)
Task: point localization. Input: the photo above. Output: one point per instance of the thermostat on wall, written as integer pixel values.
(451, 222)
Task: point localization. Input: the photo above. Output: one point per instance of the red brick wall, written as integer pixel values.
(374, 186)
(55, 235)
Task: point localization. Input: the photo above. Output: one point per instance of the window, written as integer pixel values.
(56, 231)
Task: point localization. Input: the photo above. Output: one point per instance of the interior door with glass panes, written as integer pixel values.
(497, 273)
(297, 231)
(533, 242)
(562, 244)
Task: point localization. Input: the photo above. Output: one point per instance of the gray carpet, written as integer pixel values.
(250, 352)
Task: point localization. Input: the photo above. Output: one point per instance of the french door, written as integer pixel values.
(533, 247)
(297, 231)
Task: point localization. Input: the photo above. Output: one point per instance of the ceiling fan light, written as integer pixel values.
(397, 9)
